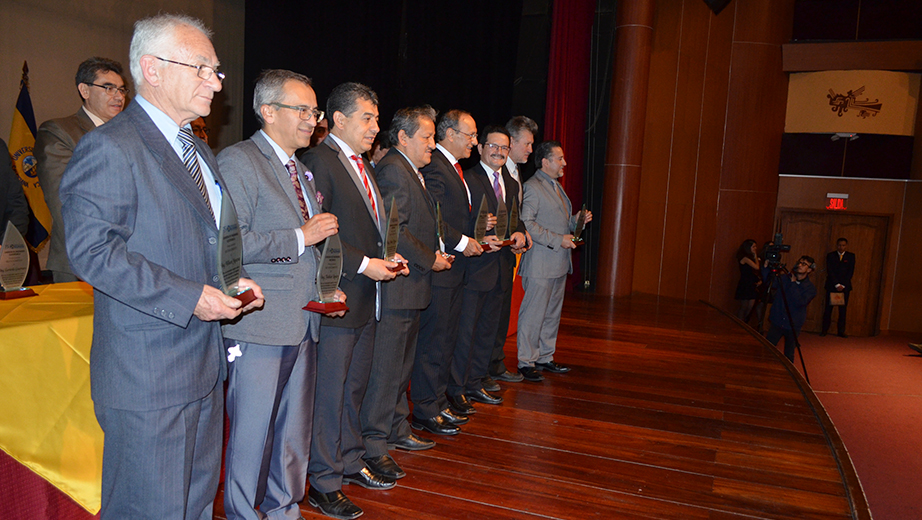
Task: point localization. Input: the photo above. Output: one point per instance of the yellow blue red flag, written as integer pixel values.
(21, 143)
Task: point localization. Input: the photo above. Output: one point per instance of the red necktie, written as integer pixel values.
(293, 173)
(461, 174)
(371, 196)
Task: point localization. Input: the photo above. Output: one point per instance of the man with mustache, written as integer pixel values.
(103, 94)
(385, 408)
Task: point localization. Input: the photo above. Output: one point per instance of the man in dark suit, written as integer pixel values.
(385, 408)
(484, 284)
(438, 330)
(522, 132)
(840, 267)
(347, 188)
(141, 229)
(272, 352)
(548, 215)
(102, 91)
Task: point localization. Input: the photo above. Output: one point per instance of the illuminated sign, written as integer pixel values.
(837, 201)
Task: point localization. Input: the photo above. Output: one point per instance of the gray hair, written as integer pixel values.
(408, 120)
(518, 123)
(450, 119)
(344, 98)
(543, 151)
(157, 36)
(270, 88)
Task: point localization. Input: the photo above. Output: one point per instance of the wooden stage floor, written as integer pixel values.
(671, 410)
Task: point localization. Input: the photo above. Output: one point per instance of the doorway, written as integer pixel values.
(815, 234)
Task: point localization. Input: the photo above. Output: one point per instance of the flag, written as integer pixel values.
(21, 143)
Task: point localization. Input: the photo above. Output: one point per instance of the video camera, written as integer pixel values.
(773, 252)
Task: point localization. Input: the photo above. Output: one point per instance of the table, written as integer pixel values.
(46, 413)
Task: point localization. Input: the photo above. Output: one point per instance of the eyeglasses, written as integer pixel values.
(305, 113)
(112, 89)
(472, 137)
(495, 147)
(202, 71)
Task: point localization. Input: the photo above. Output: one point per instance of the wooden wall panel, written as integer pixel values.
(905, 310)
(895, 55)
(768, 22)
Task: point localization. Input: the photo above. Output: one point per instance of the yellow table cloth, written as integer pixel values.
(46, 413)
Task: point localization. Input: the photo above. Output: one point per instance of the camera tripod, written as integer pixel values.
(776, 272)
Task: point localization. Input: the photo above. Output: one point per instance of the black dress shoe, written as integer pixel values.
(482, 396)
(552, 367)
(822, 334)
(369, 480)
(385, 466)
(843, 335)
(490, 385)
(334, 504)
(508, 377)
(531, 374)
(436, 425)
(460, 405)
(457, 420)
(412, 443)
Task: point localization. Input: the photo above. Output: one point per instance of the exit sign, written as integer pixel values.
(837, 201)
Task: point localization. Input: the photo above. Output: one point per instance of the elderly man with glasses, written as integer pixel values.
(103, 95)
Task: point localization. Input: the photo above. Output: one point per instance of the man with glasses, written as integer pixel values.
(272, 353)
(481, 298)
(798, 292)
(103, 95)
(141, 200)
(438, 330)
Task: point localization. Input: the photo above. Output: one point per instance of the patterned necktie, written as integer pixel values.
(293, 173)
(497, 189)
(461, 174)
(371, 196)
(190, 160)
(421, 180)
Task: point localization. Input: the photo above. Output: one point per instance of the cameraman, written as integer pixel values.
(798, 290)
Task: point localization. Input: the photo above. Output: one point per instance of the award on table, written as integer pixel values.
(328, 273)
(502, 225)
(440, 233)
(391, 238)
(580, 225)
(480, 226)
(14, 264)
(230, 256)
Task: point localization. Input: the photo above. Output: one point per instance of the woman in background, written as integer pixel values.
(747, 290)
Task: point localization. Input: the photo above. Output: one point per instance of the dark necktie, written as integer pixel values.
(497, 189)
(190, 160)
(293, 173)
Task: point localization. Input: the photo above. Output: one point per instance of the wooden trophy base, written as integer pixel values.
(325, 307)
(578, 241)
(506, 243)
(399, 267)
(22, 292)
(245, 296)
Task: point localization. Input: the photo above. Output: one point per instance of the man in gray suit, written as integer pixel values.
(141, 229)
(385, 407)
(102, 92)
(272, 353)
(548, 216)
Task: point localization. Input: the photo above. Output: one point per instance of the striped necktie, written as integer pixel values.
(190, 160)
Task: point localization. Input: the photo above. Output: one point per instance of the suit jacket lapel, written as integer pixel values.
(280, 171)
(416, 182)
(170, 164)
(359, 185)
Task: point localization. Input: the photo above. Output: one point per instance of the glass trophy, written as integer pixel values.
(480, 226)
(502, 225)
(580, 225)
(14, 264)
(514, 218)
(391, 238)
(440, 233)
(329, 271)
(230, 256)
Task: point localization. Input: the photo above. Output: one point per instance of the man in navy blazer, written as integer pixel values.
(141, 229)
(840, 267)
(346, 185)
(272, 352)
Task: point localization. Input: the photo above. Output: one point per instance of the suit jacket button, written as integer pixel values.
(212, 240)
(163, 312)
(156, 310)
(171, 315)
(214, 278)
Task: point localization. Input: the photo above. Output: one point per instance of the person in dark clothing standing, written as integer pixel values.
(747, 290)
(840, 266)
(798, 292)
